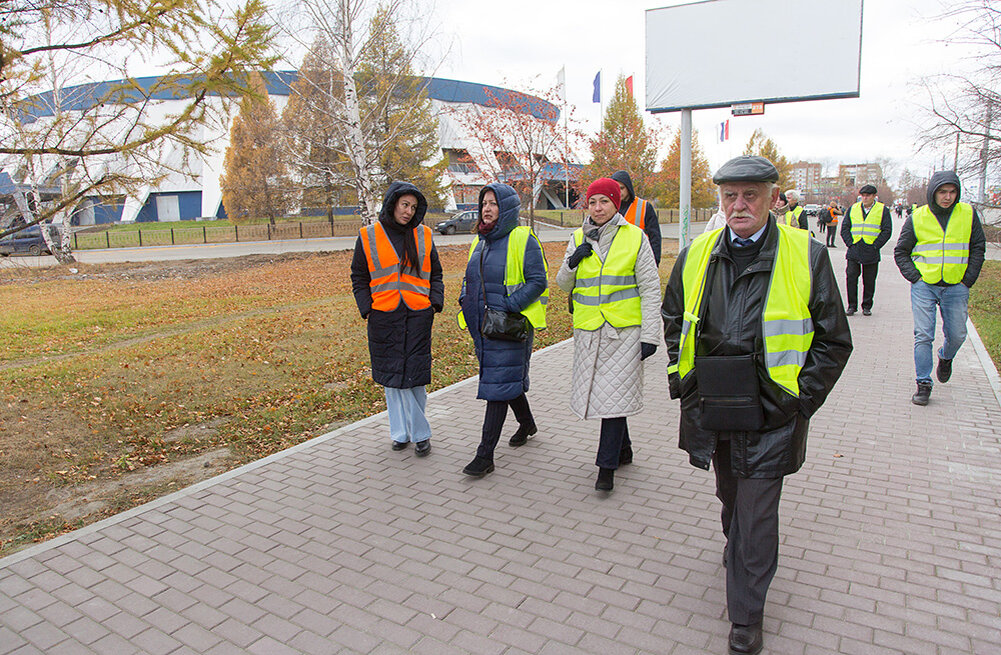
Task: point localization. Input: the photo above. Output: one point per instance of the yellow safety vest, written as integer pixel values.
(792, 216)
(787, 326)
(942, 255)
(866, 228)
(607, 290)
(514, 274)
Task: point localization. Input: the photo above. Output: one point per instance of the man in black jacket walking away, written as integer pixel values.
(940, 252)
(865, 229)
(639, 212)
(756, 338)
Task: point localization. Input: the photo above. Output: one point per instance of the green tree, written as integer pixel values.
(703, 189)
(255, 181)
(120, 143)
(761, 145)
(403, 128)
(624, 143)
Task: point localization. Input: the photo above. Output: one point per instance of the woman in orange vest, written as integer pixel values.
(397, 283)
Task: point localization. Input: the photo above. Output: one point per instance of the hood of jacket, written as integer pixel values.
(937, 180)
(509, 205)
(622, 177)
(393, 193)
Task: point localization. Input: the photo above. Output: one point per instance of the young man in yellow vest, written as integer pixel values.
(940, 252)
(756, 339)
(865, 229)
(638, 212)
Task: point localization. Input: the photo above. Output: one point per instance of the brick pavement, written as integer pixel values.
(891, 541)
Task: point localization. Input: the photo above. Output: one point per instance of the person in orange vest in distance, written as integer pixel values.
(397, 283)
(639, 212)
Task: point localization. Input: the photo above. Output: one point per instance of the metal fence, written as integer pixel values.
(574, 217)
(213, 234)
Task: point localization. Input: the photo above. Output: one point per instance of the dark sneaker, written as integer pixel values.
(606, 479)
(923, 394)
(400, 445)
(479, 467)
(423, 448)
(849, 312)
(520, 438)
(866, 312)
(944, 370)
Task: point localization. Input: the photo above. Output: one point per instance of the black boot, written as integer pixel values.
(520, 438)
(479, 467)
(923, 394)
(944, 370)
(605, 480)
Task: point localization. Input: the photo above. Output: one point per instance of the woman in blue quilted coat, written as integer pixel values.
(488, 283)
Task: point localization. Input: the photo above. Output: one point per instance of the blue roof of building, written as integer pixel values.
(84, 96)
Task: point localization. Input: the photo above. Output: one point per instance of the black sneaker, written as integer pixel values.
(479, 467)
(866, 312)
(944, 370)
(422, 448)
(849, 312)
(520, 438)
(923, 394)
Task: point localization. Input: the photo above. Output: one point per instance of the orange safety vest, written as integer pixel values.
(388, 282)
(637, 213)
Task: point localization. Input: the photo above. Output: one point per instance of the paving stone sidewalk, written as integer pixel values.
(891, 539)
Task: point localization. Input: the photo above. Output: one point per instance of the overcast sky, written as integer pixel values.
(525, 42)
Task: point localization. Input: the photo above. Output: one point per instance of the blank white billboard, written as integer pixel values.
(721, 52)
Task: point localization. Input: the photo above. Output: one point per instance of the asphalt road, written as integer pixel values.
(220, 250)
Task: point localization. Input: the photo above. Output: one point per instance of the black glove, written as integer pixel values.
(647, 349)
(583, 250)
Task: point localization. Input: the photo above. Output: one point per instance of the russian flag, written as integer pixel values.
(724, 130)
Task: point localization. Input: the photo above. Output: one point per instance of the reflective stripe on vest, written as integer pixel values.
(792, 216)
(607, 290)
(942, 255)
(636, 214)
(514, 274)
(866, 228)
(786, 325)
(388, 283)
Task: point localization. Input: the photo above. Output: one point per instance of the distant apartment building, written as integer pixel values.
(852, 176)
(805, 176)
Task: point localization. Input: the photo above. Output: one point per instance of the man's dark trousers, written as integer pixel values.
(751, 524)
(868, 273)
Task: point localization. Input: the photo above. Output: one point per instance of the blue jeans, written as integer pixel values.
(951, 301)
(406, 414)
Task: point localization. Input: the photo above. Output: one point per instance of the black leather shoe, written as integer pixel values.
(520, 438)
(944, 370)
(745, 639)
(400, 445)
(479, 467)
(422, 448)
(606, 479)
(626, 455)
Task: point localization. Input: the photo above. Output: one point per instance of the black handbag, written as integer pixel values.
(506, 326)
(729, 393)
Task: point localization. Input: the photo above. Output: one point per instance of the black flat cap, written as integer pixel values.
(747, 168)
(868, 188)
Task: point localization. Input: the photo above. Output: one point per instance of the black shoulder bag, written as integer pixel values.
(497, 323)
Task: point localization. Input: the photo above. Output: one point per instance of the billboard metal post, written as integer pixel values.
(685, 180)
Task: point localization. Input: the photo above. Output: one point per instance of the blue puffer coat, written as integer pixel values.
(503, 364)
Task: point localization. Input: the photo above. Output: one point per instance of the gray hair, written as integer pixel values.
(792, 195)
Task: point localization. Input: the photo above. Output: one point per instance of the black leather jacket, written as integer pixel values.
(732, 326)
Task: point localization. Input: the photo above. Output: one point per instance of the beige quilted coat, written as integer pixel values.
(607, 372)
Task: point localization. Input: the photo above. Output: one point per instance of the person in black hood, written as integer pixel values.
(639, 212)
(940, 252)
(397, 282)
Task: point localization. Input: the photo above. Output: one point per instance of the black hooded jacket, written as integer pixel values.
(651, 224)
(399, 341)
(907, 240)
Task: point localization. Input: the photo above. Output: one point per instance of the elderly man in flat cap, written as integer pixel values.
(865, 229)
(757, 337)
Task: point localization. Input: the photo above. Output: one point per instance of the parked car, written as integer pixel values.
(461, 222)
(28, 241)
(811, 209)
